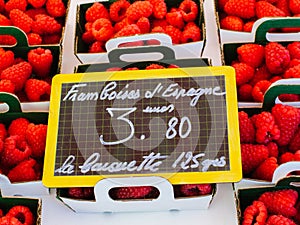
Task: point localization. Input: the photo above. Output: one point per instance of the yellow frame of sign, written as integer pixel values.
(234, 174)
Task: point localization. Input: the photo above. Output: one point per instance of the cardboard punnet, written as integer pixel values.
(283, 86)
(14, 111)
(181, 50)
(34, 204)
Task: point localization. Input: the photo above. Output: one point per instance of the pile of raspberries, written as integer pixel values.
(29, 78)
(274, 207)
(258, 66)
(17, 215)
(41, 20)
(269, 139)
(240, 15)
(123, 18)
(22, 149)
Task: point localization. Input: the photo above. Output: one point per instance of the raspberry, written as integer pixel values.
(289, 97)
(248, 26)
(96, 47)
(6, 58)
(175, 19)
(56, 8)
(7, 40)
(37, 3)
(34, 39)
(88, 37)
(252, 54)
(4, 21)
(7, 86)
(136, 192)
(28, 170)
(294, 6)
(293, 72)
(232, 23)
(117, 10)
(294, 143)
(245, 93)
(159, 22)
(266, 169)
(41, 61)
(273, 149)
(33, 12)
(159, 9)
(128, 30)
(294, 49)
(154, 66)
(36, 139)
(243, 73)
(144, 24)
(195, 189)
(294, 62)
(191, 33)
(283, 5)
(21, 19)
(266, 9)
(96, 11)
(252, 156)
(37, 90)
(158, 29)
(260, 89)
(8, 220)
(280, 202)
(18, 127)
(246, 128)
(16, 4)
(18, 74)
(189, 10)
(15, 151)
(277, 57)
(51, 39)
(287, 118)
(261, 73)
(22, 213)
(139, 9)
(44, 25)
(286, 157)
(3, 132)
(174, 33)
(279, 220)
(256, 213)
(86, 193)
(241, 8)
(123, 23)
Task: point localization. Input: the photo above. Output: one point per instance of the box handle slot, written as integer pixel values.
(17, 33)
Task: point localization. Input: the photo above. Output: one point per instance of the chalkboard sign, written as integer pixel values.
(180, 124)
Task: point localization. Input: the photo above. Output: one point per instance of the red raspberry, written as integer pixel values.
(289, 97)
(45, 25)
(195, 189)
(139, 9)
(159, 22)
(32, 12)
(266, 9)
(18, 74)
(287, 118)
(51, 39)
(294, 49)
(189, 10)
(283, 5)
(37, 3)
(266, 169)
(7, 40)
(286, 157)
(15, 151)
(260, 89)
(22, 213)
(273, 149)
(34, 39)
(280, 202)
(88, 37)
(2, 6)
(37, 90)
(279, 220)
(36, 139)
(7, 86)
(294, 143)
(3, 132)
(128, 30)
(4, 21)
(294, 6)
(293, 72)
(18, 127)
(132, 68)
(277, 57)
(16, 4)
(123, 23)
(261, 73)
(252, 54)
(6, 58)
(41, 60)
(174, 33)
(117, 10)
(56, 8)
(191, 33)
(96, 47)
(245, 93)
(21, 19)
(294, 62)
(256, 213)
(241, 8)
(158, 29)
(243, 73)
(175, 19)
(253, 156)
(144, 24)
(86, 193)
(232, 23)
(8, 220)
(248, 26)
(246, 128)
(96, 11)
(154, 66)
(114, 69)
(28, 170)
(159, 9)
(134, 192)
